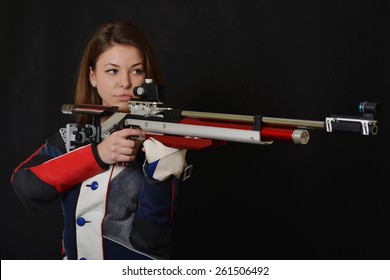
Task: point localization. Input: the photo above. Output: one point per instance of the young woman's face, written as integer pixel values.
(118, 70)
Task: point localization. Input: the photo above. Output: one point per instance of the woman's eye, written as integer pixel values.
(138, 71)
(112, 71)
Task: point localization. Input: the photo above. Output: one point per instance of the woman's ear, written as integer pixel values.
(92, 77)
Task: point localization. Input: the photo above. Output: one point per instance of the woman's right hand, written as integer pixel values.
(118, 147)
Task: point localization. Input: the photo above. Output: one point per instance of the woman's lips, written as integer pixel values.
(123, 97)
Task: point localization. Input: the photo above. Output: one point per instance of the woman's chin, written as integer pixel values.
(123, 108)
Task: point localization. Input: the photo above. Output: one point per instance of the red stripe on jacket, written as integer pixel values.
(67, 170)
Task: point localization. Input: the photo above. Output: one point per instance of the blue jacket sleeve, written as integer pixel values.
(153, 223)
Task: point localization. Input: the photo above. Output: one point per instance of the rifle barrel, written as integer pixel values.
(250, 119)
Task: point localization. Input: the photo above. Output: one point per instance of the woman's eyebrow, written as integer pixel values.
(113, 64)
(137, 64)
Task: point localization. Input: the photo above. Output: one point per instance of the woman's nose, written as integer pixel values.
(125, 82)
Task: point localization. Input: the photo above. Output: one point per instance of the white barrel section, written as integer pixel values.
(198, 131)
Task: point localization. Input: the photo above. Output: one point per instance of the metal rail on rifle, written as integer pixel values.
(198, 130)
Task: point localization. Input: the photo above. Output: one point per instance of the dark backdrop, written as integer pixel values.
(328, 199)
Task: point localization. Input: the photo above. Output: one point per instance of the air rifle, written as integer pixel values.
(199, 130)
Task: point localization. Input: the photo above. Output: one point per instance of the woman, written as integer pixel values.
(111, 210)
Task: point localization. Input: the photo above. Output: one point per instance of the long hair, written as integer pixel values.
(117, 32)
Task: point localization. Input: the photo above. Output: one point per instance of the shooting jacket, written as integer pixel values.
(110, 211)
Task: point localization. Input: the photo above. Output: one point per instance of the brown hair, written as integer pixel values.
(117, 32)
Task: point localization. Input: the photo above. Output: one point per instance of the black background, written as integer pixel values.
(309, 59)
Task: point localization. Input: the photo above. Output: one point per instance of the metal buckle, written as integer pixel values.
(187, 172)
